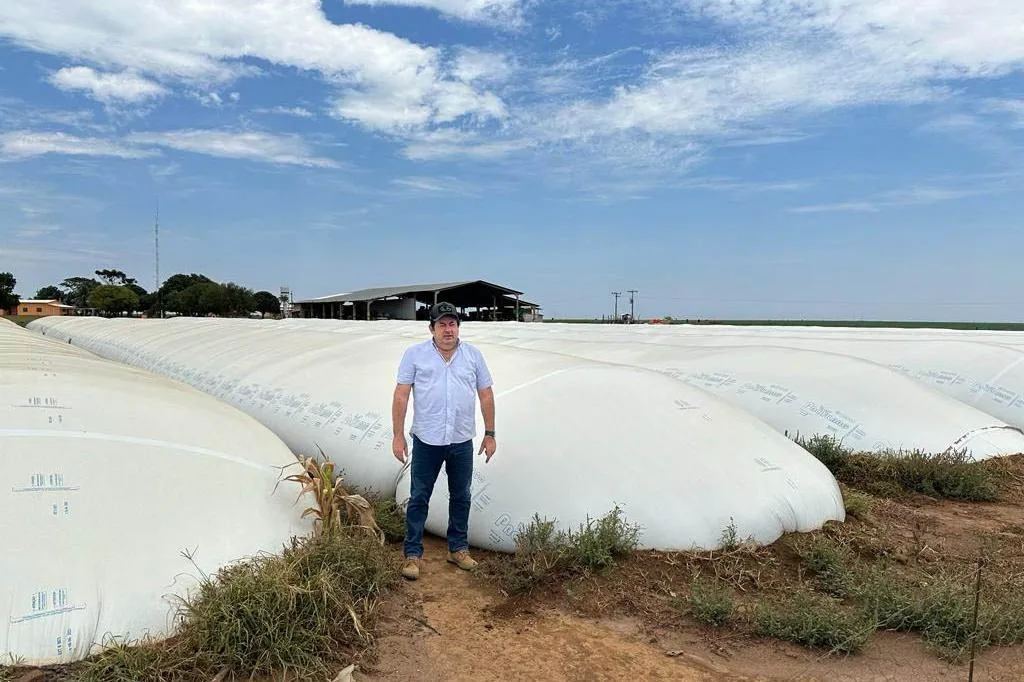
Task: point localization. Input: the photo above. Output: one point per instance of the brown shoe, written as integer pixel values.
(462, 560)
(411, 569)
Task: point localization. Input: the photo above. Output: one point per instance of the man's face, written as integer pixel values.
(446, 333)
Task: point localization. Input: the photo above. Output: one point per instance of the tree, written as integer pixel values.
(240, 300)
(169, 293)
(266, 302)
(115, 277)
(180, 282)
(50, 293)
(113, 299)
(8, 299)
(77, 290)
(211, 299)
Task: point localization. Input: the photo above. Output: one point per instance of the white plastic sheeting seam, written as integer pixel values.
(109, 474)
(577, 437)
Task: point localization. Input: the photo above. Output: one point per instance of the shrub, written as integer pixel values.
(951, 474)
(941, 608)
(858, 505)
(814, 621)
(829, 560)
(543, 553)
(598, 543)
(710, 603)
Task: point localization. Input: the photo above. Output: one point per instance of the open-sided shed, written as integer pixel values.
(475, 299)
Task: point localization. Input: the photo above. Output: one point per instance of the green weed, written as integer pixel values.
(544, 554)
(951, 475)
(812, 620)
(710, 603)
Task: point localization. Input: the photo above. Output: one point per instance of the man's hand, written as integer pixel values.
(398, 447)
(399, 405)
(488, 445)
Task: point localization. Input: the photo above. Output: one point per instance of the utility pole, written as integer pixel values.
(616, 294)
(631, 292)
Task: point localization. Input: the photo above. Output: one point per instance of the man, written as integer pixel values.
(445, 375)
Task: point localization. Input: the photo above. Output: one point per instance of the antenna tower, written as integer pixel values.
(156, 257)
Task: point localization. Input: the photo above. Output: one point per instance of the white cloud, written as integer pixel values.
(722, 92)
(472, 65)
(37, 230)
(443, 144)
(300, 112)
(770, 68)
(23, 144)
(839, 207)
(918, 195)
(379, 74)
(777, 65)
(1013, 108)
(926, 38)
(18, 114)
(250, 145)
(502, 12)
(434, 185)
(108, 88)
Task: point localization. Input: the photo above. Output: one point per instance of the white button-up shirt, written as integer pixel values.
(444, 393)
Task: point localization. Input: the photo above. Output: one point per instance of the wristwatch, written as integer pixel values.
(489, 433)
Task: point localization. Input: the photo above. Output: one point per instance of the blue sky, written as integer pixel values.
(725, 158)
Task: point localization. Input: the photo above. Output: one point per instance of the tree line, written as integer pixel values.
(113, 292)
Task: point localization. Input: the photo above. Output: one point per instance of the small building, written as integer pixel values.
(475, 299)
(38, 307)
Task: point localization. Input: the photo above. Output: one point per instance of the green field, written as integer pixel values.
(20, 319)
(903, 324)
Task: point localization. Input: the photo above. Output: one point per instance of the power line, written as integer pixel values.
(616, 294)
(632, 317)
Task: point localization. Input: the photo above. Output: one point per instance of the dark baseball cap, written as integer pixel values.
(442, 309)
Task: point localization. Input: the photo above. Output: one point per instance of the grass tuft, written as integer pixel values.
(814, 621)
(389, 516)
(544, 554)
(951, 475)
(710, 603)
(858, 505)
(830, 560)
(125, 661)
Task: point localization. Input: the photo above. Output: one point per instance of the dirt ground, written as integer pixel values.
(454, 626)
(446, 626)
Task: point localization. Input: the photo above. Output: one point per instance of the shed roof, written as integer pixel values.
(412, 289)
(52, 301)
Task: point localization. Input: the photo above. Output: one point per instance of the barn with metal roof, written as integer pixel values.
(475, 299)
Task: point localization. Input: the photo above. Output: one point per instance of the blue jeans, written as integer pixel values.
(426, 465)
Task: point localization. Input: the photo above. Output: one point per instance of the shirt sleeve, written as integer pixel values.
(407, 368)
(483, 374)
